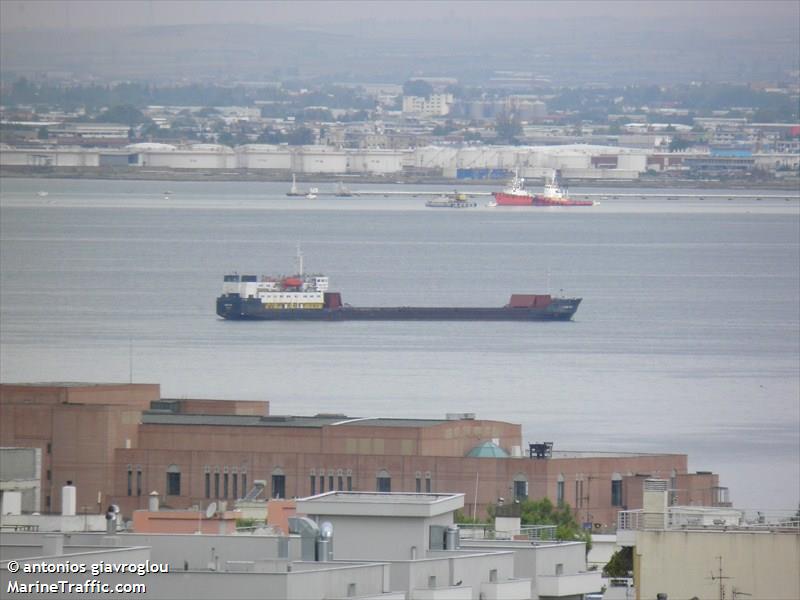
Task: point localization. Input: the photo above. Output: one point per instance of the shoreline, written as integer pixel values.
(139, 174)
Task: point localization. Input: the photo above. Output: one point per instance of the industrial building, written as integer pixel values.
(119, 443)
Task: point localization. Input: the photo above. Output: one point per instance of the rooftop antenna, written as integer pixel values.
(721, 578)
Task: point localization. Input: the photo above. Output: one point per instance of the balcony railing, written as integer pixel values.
(533, 533)
(689, 517)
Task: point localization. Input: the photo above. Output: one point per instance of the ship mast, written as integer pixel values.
(299, 261)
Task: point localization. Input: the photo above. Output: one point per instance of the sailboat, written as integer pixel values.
(293, 191)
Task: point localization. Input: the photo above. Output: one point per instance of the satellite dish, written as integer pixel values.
(212, 508)
(326, 530)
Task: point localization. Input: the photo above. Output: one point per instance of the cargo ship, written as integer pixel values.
(304, 297)
(553, 194)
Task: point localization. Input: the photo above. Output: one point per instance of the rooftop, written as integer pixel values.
(319, 420)
(380, 504)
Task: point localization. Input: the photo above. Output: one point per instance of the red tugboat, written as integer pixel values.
(553, 195)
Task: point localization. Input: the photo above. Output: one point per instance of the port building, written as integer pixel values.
(120, 442)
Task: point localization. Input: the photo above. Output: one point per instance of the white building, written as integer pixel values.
(677, 549)
(435, 105)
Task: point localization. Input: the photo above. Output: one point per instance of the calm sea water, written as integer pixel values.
(688, 338)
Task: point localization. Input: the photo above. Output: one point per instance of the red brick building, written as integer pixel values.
(118, 443)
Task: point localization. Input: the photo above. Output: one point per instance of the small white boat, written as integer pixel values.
(42, 194)
(491, 204)
(312, 193)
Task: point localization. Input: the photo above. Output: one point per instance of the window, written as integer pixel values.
(130, 482)
(559, 568)
(138, 481)
(216, 485)
(616, 490)
(278, 486)
(49, 448)
(428, 484)
(236, 486)
(173, 480)
(244, 484)
(322, 484)
(208, 485)
(560, 490)
(313, 479)
(579, 491)
(225, 485)
(384, 481)
(339, 483)
(520, 487)
(278, 483)
(349, 483)
(419, 485)
(330, 481)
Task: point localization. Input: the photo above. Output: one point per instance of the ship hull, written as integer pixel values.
(544, 201)
(232, 307)
(504, 199)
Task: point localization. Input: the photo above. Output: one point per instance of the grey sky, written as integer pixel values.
(81, 14)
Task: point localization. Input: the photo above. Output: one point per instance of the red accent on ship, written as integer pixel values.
(553, 195)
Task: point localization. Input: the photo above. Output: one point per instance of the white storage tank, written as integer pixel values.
(320, 159)
(264, 156)
(68, 500)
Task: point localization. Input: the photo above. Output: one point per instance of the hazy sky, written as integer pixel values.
(79, 14)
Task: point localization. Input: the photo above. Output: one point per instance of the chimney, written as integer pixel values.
(152, 501)
(68, 500)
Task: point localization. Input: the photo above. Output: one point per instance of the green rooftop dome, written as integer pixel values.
(487, 450)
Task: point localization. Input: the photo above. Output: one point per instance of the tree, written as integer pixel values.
(417, 87)
(543, 512)
(508, 127)
(123, 113)
(677, 144)
(302, 136)
(620, 564)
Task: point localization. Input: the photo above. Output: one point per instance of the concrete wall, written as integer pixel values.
(178, 550)
(452, 569)
(360, 537)
(539, 560)
(679, 563)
